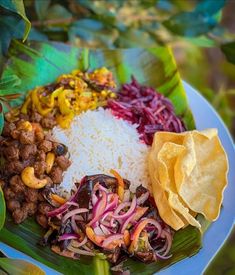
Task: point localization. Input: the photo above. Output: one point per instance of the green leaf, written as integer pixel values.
(41, 64)
(37, 35)
(19, 267)
(11, 27)
(132, 38)
(2, 200)
(9, 82)
(93, 32)
(229, 50)
(210, 6)
(190, 24)
(17, 7)
(41, 8)
(200, 21)
(57, 12)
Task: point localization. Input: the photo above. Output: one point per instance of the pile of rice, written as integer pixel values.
(97, 141)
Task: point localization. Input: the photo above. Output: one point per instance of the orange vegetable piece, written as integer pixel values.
(127, 238)
(136, 234)
(58, 199)
(93, 237)
(120, 183)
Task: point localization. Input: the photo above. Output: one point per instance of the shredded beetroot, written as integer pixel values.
(150, 110)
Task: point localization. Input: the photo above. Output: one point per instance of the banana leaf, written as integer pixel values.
(2, 209)
(41, 63)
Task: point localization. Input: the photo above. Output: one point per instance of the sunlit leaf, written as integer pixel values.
(19, 267)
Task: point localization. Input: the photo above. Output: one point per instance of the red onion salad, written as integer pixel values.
(151, 111)
(96, 219)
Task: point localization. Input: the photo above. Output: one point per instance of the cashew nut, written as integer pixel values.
(26, 125)
(29, 179)
(50, 158)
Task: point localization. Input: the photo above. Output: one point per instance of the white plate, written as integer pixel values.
(206, 117)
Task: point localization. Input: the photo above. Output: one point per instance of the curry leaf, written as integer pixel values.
(19, 267)
(229, 50)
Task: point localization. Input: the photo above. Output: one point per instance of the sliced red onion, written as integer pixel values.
(105, 223)
(58, 211)
(121, 206)
(102, 188)
(105, 230)
(150, 221)
(163, 257)
(78, 218)
(168, 238)
(111, 239)
(98, 231)
(129, 212)
(77, 244)
(68, 237)
(99, 208)
(59, 216)
(161, 249)
(127, 221)
(113, 204)
(74, 212)
(64, 206)
(80, 251)
(142, 199)
(87, 248)
(94, 198)
(106, 214)
(126, 196)
(72, 203)
(113, 223)
(74, 225)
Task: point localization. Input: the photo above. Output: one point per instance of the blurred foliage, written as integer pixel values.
(193, 28)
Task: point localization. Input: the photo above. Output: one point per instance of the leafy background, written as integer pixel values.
(201, 33)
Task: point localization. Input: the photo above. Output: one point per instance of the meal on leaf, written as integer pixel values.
(108, 169)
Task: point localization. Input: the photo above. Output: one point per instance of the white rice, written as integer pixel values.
(97, 142)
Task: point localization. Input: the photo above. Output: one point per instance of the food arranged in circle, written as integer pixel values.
(107, 169)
